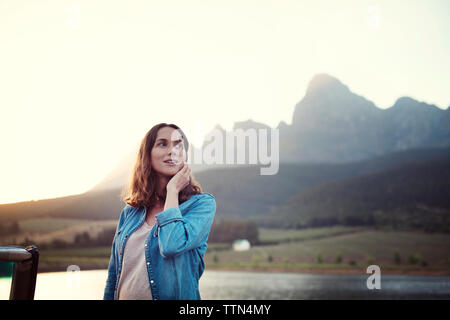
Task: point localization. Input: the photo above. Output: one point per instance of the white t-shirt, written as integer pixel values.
(134, 283)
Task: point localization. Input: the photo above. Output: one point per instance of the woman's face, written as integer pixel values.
(168, 153)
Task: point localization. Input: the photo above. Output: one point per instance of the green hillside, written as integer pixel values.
(242, 193)
(413, 196)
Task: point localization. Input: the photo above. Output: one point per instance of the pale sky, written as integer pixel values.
(81, 82)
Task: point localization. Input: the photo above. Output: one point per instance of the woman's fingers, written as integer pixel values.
(183, 168)
(187, 174)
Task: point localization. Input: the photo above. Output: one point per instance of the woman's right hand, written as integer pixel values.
(180, 180)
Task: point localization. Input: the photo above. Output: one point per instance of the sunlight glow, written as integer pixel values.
(82, 81)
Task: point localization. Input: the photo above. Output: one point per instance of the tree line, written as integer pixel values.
(222, 231)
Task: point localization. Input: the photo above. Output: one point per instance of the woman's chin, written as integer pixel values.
(169, 171)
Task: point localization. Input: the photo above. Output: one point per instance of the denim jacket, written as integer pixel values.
(174, 248)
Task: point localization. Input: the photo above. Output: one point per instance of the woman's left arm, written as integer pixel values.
(178, 234)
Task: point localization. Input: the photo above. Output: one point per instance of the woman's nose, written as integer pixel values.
(172, 151)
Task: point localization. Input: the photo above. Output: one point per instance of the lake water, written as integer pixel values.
(226, 285)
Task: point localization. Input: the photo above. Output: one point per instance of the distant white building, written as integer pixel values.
(241, 245)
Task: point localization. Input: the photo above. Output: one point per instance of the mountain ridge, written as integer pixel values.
(331, 124)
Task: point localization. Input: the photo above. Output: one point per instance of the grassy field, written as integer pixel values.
(85, 258)
(46, 230)
(330, 250)
(293, 235)
(335, 248)
(50, 224)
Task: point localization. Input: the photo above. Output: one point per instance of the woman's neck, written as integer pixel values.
(161, 186)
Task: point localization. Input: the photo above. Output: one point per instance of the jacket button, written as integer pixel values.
(148, 263)
(151, 281)
(145, 245)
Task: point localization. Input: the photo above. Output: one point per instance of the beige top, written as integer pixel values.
(134, 282)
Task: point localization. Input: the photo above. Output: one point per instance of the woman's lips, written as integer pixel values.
(171, 163)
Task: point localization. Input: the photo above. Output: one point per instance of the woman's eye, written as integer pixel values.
(179, 145)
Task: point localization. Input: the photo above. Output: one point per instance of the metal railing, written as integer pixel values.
(24, 275)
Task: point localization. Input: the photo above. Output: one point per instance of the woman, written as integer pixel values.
(157, 251)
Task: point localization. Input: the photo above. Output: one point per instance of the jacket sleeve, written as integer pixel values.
(112, 276)
(178, 234)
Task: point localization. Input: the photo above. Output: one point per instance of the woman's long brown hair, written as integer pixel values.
(142, 188)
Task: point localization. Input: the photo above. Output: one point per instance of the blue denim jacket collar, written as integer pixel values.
(174, 248)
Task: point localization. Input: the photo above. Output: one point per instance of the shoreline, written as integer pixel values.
(336, 271)
(323, 270)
